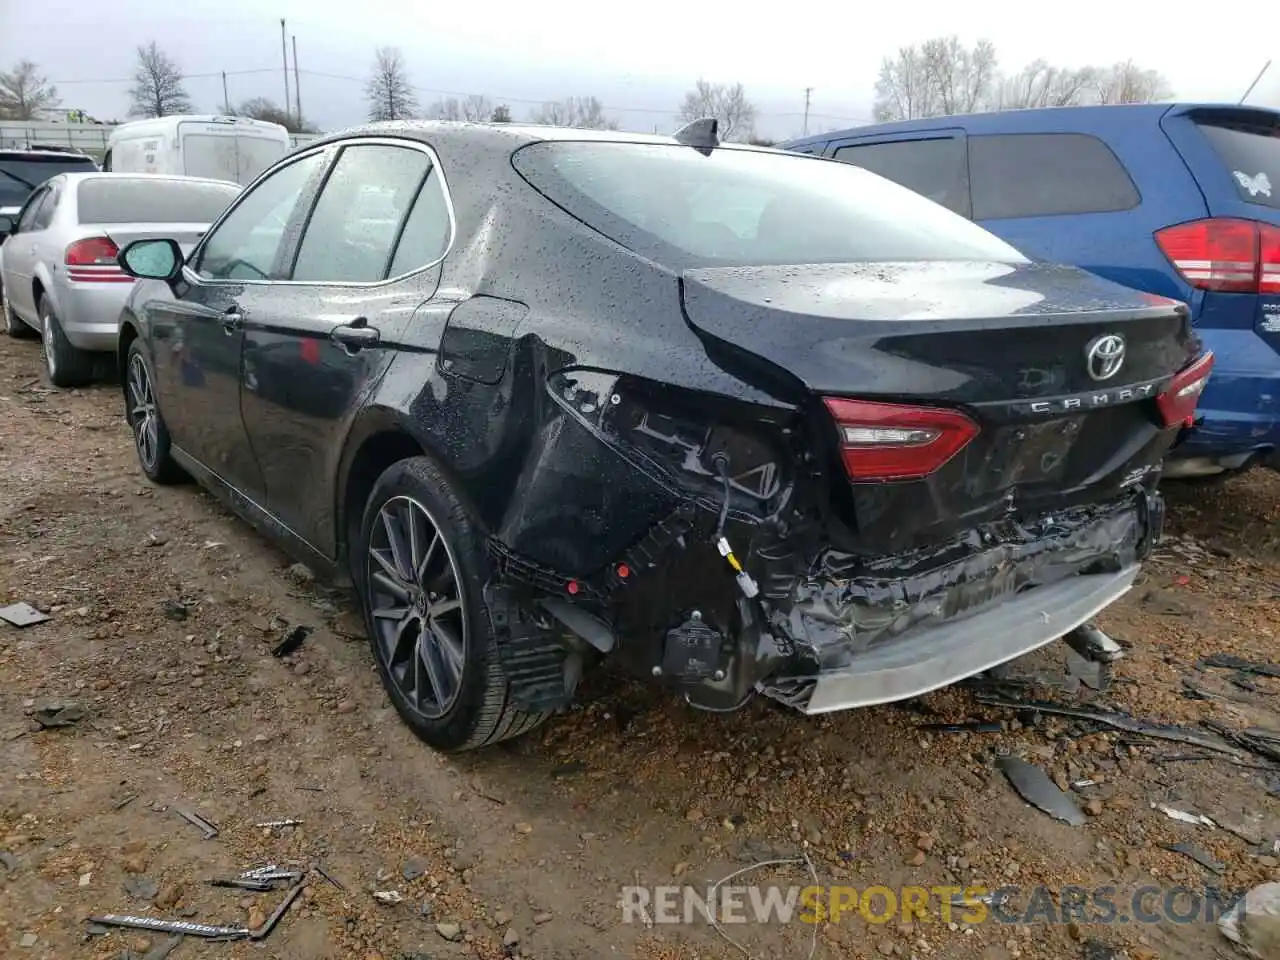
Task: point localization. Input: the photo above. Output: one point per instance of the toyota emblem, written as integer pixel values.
(1105, 356)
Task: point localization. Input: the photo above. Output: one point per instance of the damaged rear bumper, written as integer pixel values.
(936, 657)
(914, 624)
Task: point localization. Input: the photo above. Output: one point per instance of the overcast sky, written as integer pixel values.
(638, 58)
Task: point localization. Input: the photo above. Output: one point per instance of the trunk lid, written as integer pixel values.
(187, 235)
(1008, 345)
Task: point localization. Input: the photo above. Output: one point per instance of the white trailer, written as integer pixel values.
(214, 147)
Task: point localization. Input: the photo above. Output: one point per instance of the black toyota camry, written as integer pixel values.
(745, 421)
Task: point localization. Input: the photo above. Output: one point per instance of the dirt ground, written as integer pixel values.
(164, 612)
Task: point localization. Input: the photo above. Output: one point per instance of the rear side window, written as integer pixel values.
(1251, 153)
(135, 200)
(19, 175)
(934, 167)
(1046, 174)
(739, 207)
(357, 220)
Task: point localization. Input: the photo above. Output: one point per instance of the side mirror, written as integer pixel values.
(152, 260)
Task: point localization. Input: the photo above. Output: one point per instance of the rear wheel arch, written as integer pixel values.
(128, 334)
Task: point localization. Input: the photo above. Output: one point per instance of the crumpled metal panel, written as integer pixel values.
(846, 605)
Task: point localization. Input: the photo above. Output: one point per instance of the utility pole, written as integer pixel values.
(284, 55)
(226, 101)
(297, 83)
(807, 92)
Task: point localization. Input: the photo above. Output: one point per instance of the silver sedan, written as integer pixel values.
(58, 270)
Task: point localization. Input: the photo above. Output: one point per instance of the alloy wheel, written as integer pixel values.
(142, 413)
(47, 336)
(418, 611)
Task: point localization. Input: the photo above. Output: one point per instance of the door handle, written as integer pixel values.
(356, 335)
(231, 320)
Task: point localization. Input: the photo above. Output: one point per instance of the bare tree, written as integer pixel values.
(727, 103)
(474, 108)
(389, 93)
(501, 114)
(939, 78)
(585, 113)
(903, 89)
(262, 108)
(157, 89)
(1128, 83)
(26, 94)
(1039, 84)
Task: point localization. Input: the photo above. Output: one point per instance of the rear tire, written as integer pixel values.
(150, 435)
(432, 632)
(67, 366)
(13, 326)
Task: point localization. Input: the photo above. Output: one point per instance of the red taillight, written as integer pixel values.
(891, 441)
(1177, 402)
(1232, 256)
(93, 260)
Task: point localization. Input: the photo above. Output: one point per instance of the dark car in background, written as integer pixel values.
(22, 171)
(738, 419)
(1181, 200)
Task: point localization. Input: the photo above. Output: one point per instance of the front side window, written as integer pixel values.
(740, 207)
(358, 217)
(935, 168)
(247, 243)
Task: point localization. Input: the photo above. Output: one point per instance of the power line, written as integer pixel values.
(432, 91)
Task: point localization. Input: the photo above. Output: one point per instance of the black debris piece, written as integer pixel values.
(263, 931)
(1229, 661)
(210, 830)
(1092, 644)
(1034, 786)
(292, 641)
(244, 883)
(162, 950)
(1199, 856)
(60, 715)
(1117, 720)
(1097, 950)
(1257, 740)
(972, 726)
(174, 609)
(22, 615)
(323, 871)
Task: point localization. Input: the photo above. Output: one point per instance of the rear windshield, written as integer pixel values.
(134, 200)
(19, 176)
(1251, 153)
(747, 207)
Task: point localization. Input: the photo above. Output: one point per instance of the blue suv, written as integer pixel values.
(1180, 200)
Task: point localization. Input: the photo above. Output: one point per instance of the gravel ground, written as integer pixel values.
(164, 611)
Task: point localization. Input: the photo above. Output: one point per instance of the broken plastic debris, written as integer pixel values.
(1253, 921)
(388, 896)
(1197, 819)
(272, 824)
(22, 614)
(1191, 851)
(1034, 786)
(292, 641)
(210, 829)
(187, 927)
(60, 715)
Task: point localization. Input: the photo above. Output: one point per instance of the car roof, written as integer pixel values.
(497, 135)
(1012, 121)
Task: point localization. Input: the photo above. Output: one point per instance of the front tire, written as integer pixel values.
(150, 435)
(13, 326)
(67, 366)
(420, 567)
